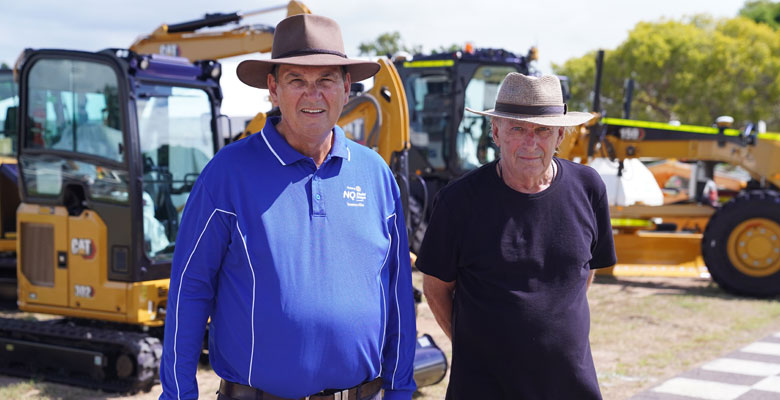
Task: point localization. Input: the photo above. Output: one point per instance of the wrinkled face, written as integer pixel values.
(525, 147)
(310, 98)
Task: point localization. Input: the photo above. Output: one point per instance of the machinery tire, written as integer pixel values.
(741, 244)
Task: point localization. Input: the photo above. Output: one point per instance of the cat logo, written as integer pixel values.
(83, 247)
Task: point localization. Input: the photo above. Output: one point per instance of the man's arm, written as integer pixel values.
(590, 277)
(439, 295)
(200, 246)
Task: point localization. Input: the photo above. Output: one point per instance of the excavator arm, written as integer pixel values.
(184, 40)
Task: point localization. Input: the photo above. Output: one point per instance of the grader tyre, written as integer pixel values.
(741, 244)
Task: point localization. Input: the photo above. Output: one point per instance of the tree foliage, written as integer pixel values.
(692, 71)
(762, 11)
(388, 43)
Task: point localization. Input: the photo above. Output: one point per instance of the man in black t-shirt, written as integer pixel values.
(510, 252)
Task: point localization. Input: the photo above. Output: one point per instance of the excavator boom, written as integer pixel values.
(184, 40)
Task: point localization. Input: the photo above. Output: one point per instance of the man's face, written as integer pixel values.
(525, 147)
(310, 98)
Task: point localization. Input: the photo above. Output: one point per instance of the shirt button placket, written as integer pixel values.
(318, 200)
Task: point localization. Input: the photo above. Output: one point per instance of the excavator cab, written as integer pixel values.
(109, 147)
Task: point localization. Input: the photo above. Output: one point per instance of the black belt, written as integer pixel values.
(364, 391)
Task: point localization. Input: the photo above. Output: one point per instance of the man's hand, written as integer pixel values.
(439, 295)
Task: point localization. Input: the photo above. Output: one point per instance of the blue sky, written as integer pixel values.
(560, 29)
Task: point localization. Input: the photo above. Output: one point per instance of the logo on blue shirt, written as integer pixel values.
(355, 196)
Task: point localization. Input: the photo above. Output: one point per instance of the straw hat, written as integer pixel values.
(307, 40)
(533, 99)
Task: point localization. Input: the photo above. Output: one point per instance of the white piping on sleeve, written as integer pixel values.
(384, 311)
(397, 306)
(252, 319)
(271, 148)
(178, 297)
(349, 154)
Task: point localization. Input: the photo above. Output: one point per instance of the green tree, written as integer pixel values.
(448, 49)
(763, 11)
(4, 65)
(692, 71)
(387, 43)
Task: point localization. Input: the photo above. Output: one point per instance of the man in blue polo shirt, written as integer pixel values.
(293, 242)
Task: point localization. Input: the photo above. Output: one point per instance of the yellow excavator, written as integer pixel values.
(109, 146)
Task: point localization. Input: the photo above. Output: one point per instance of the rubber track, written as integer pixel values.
(144, 351)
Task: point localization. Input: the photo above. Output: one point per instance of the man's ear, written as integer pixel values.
(347, 85)
(271, 83)
(561, 134)
(494, 129)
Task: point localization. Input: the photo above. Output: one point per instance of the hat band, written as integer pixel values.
(531, 110)
(304, 52)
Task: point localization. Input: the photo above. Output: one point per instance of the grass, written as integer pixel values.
(646, 330)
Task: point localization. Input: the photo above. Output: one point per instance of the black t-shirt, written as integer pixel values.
(520, 262)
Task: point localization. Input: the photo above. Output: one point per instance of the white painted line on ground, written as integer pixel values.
(743, 367)
(770, 384)
(702, 389)
(772, 349)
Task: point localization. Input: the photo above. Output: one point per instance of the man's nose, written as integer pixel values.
(312, 90)
(529, 139)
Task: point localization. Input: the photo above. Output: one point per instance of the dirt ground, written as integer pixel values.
(643, 330)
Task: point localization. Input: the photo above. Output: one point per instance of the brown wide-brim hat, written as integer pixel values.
(305, 40)
(538, 100)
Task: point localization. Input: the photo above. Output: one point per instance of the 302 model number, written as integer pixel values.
(84, 291)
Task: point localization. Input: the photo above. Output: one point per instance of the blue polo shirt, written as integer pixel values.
(304, 271)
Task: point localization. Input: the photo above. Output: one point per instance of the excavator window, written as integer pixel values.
(474, 142)
(9, 102)
(74, 133)
(72, 107)
(176, 140)
(430, 106)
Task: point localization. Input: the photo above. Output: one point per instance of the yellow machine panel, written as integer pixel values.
(145, 299)
(379, 118)
(64, 270)
(88, 267)
(41, 275)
